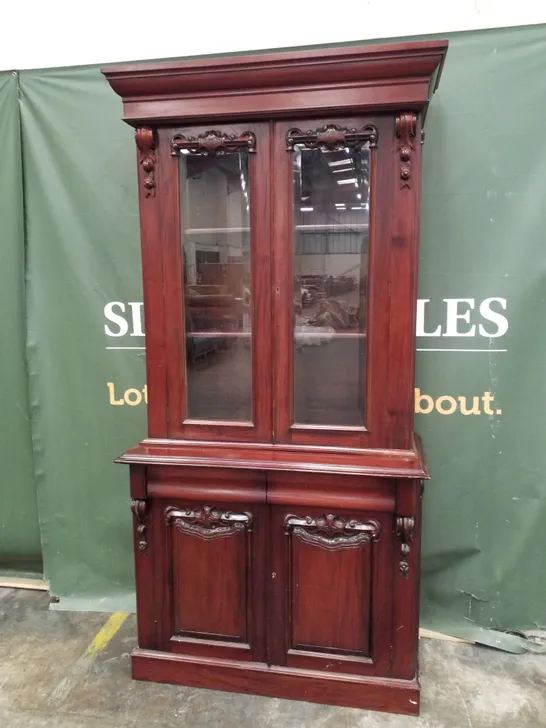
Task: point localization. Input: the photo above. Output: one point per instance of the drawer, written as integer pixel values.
(221, 485)
(332, 491)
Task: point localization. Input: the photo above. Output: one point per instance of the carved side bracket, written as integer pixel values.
(332, 137)
(405, 527)
(140, 512)
(406, 126)
(331, 532)
(213, 143)
(207, 522)
(146, 142)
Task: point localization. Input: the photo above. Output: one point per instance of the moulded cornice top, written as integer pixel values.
(355, 79)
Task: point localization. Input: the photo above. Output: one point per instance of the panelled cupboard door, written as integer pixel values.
(215, 594)
(217, 285)
(330, 589)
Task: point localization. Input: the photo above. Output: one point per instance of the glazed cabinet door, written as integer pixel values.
(216, 281)
(333, 191)
(212, 588)
(330, 590)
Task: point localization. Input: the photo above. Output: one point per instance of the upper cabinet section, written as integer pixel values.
(279, 204)
(273, 85)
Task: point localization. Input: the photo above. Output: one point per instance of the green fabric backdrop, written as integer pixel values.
(20, 549)
(483, 222)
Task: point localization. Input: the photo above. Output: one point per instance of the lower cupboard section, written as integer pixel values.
(301, 588)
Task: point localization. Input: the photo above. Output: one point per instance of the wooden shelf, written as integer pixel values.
(329, 334)
(220, 334)
(340, 227)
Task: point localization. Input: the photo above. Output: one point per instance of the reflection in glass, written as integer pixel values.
(330, 217)
(216, 248)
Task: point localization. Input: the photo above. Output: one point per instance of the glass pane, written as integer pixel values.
(331, 213)
(216, 247)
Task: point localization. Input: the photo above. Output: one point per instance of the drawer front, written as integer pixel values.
(332, 491)
(219, 484)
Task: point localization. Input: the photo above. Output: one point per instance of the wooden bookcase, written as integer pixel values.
(277, 498)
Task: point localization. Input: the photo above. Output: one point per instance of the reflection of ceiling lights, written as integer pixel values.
(340, 205)
(340, 162)
(358, 196)
(345, 169)
(350, 181)
(307, 209)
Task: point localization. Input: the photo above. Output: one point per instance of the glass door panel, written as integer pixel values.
(330, 221)
(216, 243)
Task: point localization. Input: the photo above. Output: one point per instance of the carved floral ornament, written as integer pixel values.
(140, 513)
(405, 527)
(331, 532)
(406, 125)
(146, 142)
(213, 143)
(332, 137)
(207, 522)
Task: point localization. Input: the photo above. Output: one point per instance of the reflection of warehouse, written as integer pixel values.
(331, 244)
(330, 216)
(214, 233)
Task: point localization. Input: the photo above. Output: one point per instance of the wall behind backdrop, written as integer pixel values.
(70, 220)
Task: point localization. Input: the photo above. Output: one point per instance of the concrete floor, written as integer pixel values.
(47, 680)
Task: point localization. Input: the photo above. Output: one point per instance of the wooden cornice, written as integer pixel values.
(364, 78)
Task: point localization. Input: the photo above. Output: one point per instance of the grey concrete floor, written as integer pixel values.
(48, 681)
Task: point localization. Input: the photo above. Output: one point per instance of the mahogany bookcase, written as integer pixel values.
(277, 498)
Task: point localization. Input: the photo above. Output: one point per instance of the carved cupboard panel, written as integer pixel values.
(217, 578)
(277, 498)
(330, 588)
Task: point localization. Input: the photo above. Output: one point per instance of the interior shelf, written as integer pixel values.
(339, 227)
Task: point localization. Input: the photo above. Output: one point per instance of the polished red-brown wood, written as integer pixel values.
(330, 599)
(152, 209)
(268, 456)
(381, 77)
(273, 557)
(215, 574)
(355, 691)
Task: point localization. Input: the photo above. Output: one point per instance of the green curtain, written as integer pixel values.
(20, 550)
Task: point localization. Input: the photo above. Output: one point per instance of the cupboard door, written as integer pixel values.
(330, 589)
(215, 599)
(330, 271)
(217, 282)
